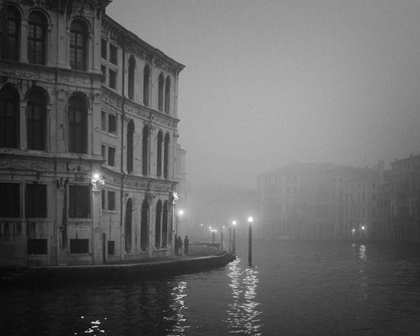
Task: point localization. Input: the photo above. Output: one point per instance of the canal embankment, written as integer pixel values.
(199, 258)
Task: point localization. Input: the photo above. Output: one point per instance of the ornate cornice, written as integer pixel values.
(136, 110)
(139, 47)
(72, 7)
(147, 184)
(138, 183)
(28, 72)
(47, 163)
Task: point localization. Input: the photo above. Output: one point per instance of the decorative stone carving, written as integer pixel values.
(26, 165)
(97, 98)
(61, 95)
(61, 183)
(78, 167)
(39, 3)
(77, 80)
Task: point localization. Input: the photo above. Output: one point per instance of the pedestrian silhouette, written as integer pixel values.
(186, 243)
(180, 244)
(176, 245)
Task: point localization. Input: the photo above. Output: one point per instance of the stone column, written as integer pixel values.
(50, 53)
(23, 139)
(64, 51)
(90, 52)
(171, 222)
(60, 119)
(151, 228)
(60, 222)
(175, 96)
(97, 226)
(95, 127)
(24, 42)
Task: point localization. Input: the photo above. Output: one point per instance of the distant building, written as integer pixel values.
(404, 198)
(88, 137)
(360, 198)
(318, 201)
(385, 230)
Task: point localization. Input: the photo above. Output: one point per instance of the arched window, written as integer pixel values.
(78, 45)
(159, 154)
(145, 153)
(130, 146)
(37, 37)
(160, 93)
(131, 72)
(167, 94)
(144, 226)
(146, 85)
(166, 156)
(158, 224)
(77, 114)
(36, 119)
(10, 33)
(165, 224)
(128, 225)
(9, 117)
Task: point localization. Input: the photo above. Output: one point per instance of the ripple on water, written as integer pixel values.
(292, 289)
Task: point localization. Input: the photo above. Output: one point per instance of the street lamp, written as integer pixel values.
(234, 238)
(250, 220)
(180, 214)
(97, 182)
(221, 237)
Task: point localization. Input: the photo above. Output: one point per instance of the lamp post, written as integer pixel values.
(250, 220)
(221, 238)
(234, 238)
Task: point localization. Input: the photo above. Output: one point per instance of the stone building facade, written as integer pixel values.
(403, 199)
(318, 201)
(88, 137)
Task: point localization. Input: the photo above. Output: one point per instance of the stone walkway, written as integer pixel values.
(195, 251)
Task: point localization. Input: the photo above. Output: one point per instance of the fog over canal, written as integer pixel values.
(293, 288)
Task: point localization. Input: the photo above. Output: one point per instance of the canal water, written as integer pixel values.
(293, 288)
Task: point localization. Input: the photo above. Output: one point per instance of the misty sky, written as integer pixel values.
(273, 82)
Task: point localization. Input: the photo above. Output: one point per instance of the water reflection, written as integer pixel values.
(360, 256)
(94, 328)
(362, 252)
(243, 310)
(178, 307)
(309, 288)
